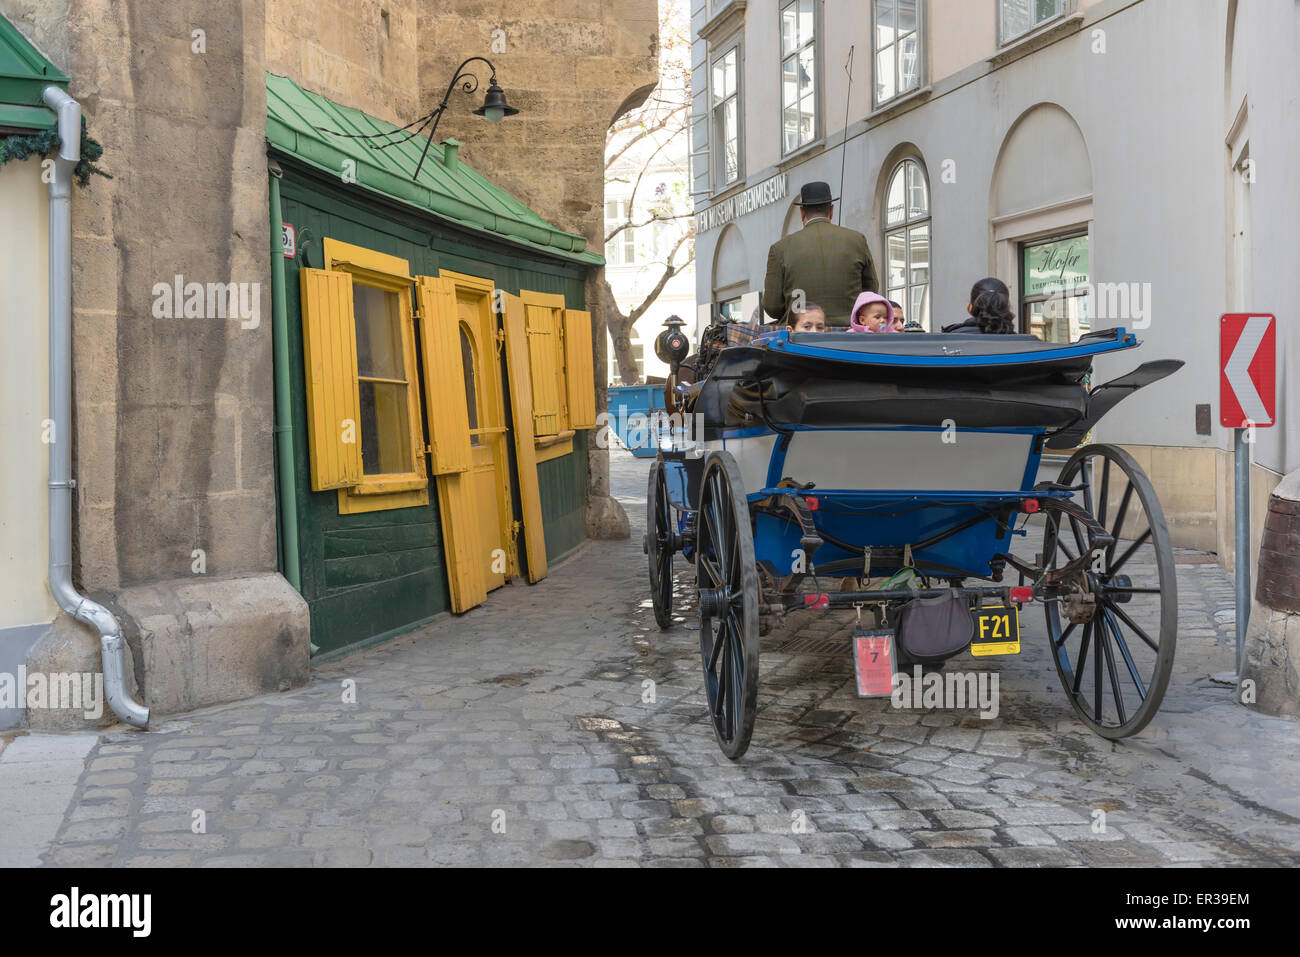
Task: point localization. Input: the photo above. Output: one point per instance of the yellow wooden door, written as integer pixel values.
(485, 406)
(445, 410)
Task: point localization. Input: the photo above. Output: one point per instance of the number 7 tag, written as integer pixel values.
(873, 660)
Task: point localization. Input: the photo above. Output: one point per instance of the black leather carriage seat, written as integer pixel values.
(754, 385)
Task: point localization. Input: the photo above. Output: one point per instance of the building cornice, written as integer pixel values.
(724, 22)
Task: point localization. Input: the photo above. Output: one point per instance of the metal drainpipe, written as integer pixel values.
(111, 643)
(283, 418)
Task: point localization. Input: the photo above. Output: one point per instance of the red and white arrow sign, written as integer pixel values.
(1248, 370)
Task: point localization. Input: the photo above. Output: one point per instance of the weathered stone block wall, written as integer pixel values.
(570, 66)
(362, 53)
(173, 416)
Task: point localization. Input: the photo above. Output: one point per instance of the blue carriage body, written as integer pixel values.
(940, 402)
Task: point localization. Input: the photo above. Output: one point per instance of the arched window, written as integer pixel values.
(469, 369)
(906, 225)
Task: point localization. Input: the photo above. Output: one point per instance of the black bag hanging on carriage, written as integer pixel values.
(933, 629)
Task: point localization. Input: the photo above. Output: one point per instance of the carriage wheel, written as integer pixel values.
(1115, 667)
(659, 545)
(728, 583)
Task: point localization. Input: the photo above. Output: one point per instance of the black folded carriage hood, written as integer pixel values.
(856, 380)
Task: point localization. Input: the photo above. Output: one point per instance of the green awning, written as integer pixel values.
(295, 126)
(24, 75)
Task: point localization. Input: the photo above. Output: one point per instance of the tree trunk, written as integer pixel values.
(620, 332)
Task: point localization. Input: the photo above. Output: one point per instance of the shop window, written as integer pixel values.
(1054, 283)
(363, 406)
(382, 383)
(729, 310)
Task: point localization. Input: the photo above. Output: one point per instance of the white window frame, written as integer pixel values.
(904, 228)
(816, 79)
(624, 244)
(717, 160)
(895, 45)
(1063, 7)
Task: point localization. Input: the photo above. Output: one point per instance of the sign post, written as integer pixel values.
(1247, 401)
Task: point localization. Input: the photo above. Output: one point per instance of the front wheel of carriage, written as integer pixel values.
(1114, 628)
(728, 603)
(660, 524)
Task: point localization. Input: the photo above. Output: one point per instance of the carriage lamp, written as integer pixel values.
(672, 346)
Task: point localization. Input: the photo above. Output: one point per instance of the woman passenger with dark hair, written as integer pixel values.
(989, 308)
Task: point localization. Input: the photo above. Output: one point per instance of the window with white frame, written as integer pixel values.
(621, 250)
(1018, 17)
(724, 89)
(907, 241)
(798, 74)
(896, 42)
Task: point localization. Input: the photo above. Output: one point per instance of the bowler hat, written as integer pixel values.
(815, 194)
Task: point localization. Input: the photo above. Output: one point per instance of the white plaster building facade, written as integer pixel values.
(1147, 147)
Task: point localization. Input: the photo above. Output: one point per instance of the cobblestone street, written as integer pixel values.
(523, 733)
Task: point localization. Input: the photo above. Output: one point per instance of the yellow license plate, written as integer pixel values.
(997, 630)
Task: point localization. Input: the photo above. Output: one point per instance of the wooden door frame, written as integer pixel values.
(484, 291)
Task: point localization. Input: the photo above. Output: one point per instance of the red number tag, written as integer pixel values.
(873, 656)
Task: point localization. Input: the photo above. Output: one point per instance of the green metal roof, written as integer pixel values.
(296, 123)
(24, 75)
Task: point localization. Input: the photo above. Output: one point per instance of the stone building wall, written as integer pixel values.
(174, 509)
(175, 522)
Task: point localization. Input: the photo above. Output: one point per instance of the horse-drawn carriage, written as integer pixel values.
(850, 458)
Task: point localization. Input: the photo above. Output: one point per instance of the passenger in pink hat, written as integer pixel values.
(871, 313)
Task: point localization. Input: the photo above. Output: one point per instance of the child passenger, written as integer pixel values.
(872, 313)
(812, 318)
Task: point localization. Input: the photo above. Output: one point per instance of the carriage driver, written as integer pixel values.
(828, 264)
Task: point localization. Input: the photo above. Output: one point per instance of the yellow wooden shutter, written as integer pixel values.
(580, 372)
(462, 548)
(445, 408)
(518, 363)
(543, 355)
(329, 346)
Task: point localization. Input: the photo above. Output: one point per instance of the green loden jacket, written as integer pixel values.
(830, 263)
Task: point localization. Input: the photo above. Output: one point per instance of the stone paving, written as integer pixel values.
(556, 725)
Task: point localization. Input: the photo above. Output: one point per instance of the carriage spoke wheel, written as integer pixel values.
(1115, 665)
(728, 601)
(660, 526)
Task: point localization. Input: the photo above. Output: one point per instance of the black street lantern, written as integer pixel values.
(494, 108)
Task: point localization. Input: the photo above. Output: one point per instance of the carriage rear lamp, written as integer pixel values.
(671, 345)
(811, 503)
(1029, 506)
(1021, 594)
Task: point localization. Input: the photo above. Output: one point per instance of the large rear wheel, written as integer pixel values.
(728, 602)
(1113, 634)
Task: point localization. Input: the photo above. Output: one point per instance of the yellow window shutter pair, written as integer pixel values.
(561, 369)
